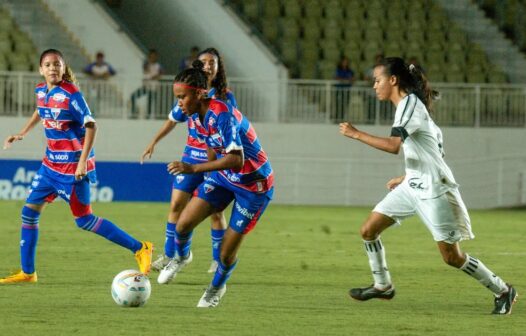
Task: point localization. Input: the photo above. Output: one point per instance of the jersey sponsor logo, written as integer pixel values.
(416, 183)
(58, 157)
(179, 178)
(59, 97)
(55, 112)
(41, 94)
(244, 211)
(233, 178)
(54, 124)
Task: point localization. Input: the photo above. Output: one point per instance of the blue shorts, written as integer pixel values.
(247, 209)
(188, 182)
(46, 189)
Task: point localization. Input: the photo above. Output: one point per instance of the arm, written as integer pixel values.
(211, 154)
(390, 144)
(89, 141)
(166, 128)
(394, 182)
(35, 118)
(233, 160)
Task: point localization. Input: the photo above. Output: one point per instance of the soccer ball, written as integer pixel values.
(130, 288)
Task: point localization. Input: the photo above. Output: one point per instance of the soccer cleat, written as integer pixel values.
(213, 267)
(211, 297)
(174, 266)
(19, 277)
(161, 261)
(504, 303)
(144, 257)
(367, 293)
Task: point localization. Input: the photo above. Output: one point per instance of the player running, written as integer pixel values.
(67, 168)
(241, 172)
(194, 152)
(428, 188)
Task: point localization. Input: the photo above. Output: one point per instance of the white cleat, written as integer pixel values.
(213, 267)
(161, 261)
(211, 297)
(174, 266)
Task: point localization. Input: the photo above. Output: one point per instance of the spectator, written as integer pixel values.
(187, 61)
(345, 77)
(100, 69)
(152, 72)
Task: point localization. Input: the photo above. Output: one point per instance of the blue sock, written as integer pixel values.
(222, 274)
(108, 230)
(29, 239)
(169, 243)
(183, 242)
(217, 237)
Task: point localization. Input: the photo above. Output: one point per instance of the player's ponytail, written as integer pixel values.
(68, 73)
(194, 76)
(410, 79)
(220, 81)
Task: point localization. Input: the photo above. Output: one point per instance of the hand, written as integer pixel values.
(178, 167)
(394, 182)
(148, 152)
(12, 138)
(348, 130)
(81, 171)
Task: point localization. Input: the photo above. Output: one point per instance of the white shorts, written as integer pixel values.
(445, 216)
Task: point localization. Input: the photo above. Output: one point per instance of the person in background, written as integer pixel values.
(195, 152)
(345, 77)
(100, 69)
(186, 62)
(428, 188)
(152, 72)
(68, 166)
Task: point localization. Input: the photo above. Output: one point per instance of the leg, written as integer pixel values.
(218, 227)
(178, 202)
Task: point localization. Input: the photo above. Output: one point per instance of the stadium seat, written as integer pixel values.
(332, 30)
(327, 69)
(270, 29)
(291, 8)
(312, 9)
(251, 9)
(310, 50)
(311, 29)
(289, 28)
(308, 70)
(271, 9)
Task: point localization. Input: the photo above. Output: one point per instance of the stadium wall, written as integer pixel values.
(312, 162)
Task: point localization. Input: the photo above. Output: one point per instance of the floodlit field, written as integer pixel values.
(292, 279)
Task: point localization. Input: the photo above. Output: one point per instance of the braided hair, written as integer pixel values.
(194, 76)
(220, 81)
(410, 79)
(68, 73)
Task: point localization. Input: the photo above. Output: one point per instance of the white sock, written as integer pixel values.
(376, 253)
(479, 271)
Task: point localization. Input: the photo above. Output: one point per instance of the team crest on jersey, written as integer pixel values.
(59, 97)
(179, 178)
(208, 188)
(55, 112)
(41, 94)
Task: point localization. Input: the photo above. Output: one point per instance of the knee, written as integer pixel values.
(86, 222)
(453, 259)
(228, 260)
(177, 207)
(368, 232)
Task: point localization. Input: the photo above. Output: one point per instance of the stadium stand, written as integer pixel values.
(317, 33)
(17, 51)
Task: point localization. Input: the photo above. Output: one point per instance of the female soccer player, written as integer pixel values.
(427, 189)
(67, 168)
(240, 172)
(194, 152)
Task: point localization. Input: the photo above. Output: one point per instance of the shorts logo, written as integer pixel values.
(179, 178)
(452, 233)
(244, 211)
(64, 193)
(239, 223)
(208, 188)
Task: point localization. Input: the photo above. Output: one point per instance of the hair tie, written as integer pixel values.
(411, 67)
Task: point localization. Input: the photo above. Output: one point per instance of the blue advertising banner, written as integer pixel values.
(117, 181)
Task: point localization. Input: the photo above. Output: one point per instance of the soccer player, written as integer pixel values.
(239, 171)
(427, 189)
(68, 166)
(194, 152)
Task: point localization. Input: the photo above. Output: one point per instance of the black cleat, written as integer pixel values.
(504, 303)
(367, 293)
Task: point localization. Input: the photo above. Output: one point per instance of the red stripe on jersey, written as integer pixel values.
(217, 107)
(251, 134)
(250, 166)
(69, 87)
(238, 115)
(67, 168)
(64, 105)
(193, 142)
(256, 186)
(65, 144)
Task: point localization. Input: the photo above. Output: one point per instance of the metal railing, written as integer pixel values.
(290, 101)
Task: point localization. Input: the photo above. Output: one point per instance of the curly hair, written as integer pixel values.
(194, 76)
(220, 81)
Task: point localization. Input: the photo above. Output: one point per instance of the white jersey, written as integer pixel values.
(426, 171)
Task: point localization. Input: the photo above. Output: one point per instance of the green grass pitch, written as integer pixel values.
(293, 275)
